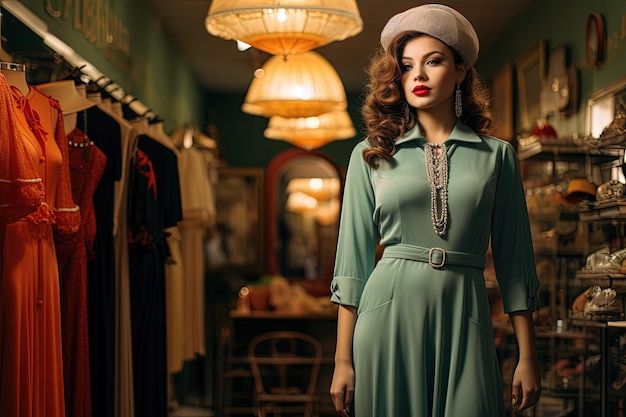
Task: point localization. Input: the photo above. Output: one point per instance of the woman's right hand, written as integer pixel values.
(342, 388)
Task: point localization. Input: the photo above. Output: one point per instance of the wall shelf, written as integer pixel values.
(603, 210)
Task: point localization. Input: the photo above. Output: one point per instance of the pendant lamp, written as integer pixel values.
(284, 27)
(311, 132)
(300, 85)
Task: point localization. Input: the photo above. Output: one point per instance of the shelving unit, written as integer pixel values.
(551, 166)
(611, 212)
(604, 211)
(610, 401)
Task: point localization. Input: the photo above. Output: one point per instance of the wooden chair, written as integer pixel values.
(285, 366)
(234, 393)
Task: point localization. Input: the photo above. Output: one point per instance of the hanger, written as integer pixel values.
(129, 113)
(203, 141)
(76, 75)
(156, 119)
(96, 87)
(80, 78)
(186, 136)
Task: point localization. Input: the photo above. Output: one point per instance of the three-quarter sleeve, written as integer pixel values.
(511, 240)
(358, 232)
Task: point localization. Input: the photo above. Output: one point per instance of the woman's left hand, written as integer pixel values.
(526, 388)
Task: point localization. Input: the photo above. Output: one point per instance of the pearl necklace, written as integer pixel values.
(436, 158)
(87, 141)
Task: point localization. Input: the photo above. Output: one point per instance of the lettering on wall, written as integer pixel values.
(98, 24)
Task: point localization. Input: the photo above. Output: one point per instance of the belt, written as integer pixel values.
(435, 257)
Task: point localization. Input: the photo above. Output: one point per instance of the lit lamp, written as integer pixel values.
(300, 202)
(284, 27)
(311, 132)
(300, 85)
(318, 188)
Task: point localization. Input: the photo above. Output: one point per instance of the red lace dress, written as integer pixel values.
(87, 163)
(31, 371)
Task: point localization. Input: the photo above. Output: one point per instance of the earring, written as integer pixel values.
(458, 102)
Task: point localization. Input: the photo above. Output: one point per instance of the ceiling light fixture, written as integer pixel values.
(300, 85)
(311, 132)
(284, 27)
(321, 189)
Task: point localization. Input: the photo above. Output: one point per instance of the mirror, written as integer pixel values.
(235, 245)
(302, 198)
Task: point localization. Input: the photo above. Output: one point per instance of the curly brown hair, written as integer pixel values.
(384, 109)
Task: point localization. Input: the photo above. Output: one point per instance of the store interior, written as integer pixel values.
(249, 205)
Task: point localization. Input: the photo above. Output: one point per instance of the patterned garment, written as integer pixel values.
(31, 360)
(86, 167)
(21, 188)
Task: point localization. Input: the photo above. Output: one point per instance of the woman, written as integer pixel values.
(414, 331)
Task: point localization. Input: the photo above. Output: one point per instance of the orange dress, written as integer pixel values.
(31, 366)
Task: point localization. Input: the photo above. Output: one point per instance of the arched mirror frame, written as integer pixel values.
(272, 173)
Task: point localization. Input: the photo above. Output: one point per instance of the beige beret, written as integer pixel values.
(438, 21)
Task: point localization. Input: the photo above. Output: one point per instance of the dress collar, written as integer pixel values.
(460, 133)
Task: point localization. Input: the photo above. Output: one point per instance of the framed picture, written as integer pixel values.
(531, 72)
(236, 245)
(502, 102)
(603, 105)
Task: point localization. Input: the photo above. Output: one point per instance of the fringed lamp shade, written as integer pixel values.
(300, 85)
(284, 27)
(311, 132)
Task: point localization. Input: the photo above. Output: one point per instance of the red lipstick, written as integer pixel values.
(420, 90)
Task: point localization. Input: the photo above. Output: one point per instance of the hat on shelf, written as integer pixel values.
(545, 130)
(580, 189)
(440, 22)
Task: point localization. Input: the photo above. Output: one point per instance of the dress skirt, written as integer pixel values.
(410, 311)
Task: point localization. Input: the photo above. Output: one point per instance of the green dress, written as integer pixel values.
(424, 342)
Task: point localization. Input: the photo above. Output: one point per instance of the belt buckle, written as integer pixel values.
(430, 258)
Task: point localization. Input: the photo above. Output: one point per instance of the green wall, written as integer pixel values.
(563, 23)
(157, 74)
